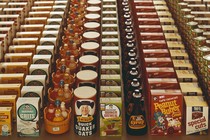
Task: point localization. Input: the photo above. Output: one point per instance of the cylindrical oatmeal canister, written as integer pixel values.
(87, 78)
(89, 62)
(90, 48)
(85, 111)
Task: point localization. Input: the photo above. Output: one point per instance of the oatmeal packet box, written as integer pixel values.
(111, 117)
(28, 116)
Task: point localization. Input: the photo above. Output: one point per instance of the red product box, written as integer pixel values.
(143, 3)
(153, 44)
(166, 112)
(145, 9)
(148, 21)
(147, 15)
(150, 28)
(163, 83)
(152, 36)
(157, 53)
(158, 62)
(158, 72)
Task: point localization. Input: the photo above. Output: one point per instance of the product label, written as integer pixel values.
(45, 52)
(111, 116)
(35, 83)
(85, 120)
(39, 72)
(27, 112)
(166, 114)
(137, 122)
(197, 120)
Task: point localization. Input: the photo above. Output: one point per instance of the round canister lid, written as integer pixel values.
(92, 16)
(87, 75)
(90, 45)
(91, 34)
(91, 25)
(88, 59)
(85, 92)
(93, 2)
(93, 8)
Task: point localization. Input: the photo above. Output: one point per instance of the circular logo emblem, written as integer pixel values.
(27, 112)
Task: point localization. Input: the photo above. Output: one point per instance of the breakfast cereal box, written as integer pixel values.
(197, 111)
(9, 101)
(166, 112)
(111, 117)
(28, 116)
(5, 121)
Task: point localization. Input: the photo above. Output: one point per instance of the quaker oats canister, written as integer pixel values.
(85, 111)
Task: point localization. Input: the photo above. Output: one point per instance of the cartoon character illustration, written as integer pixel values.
(159, 120)
(173, 122)
(84, 107)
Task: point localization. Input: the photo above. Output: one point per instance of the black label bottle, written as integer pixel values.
(135, 114)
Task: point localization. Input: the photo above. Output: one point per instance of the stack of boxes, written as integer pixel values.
(110, 79)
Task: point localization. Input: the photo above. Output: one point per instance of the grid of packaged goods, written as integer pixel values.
(168, 69)
(192, 18)
(28, 57)
(110, 79)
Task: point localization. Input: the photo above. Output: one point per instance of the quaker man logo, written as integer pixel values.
(85, 107)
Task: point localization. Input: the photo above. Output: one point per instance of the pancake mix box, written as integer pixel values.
(111, 116)
(166, 112)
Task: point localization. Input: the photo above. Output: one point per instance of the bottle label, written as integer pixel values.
(137, 122)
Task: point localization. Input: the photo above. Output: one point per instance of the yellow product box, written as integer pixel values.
(9, 101)
(169, 29)
(5, 121)
(41, 8)
(36, 20)
(12, 78)
(43, 3)
(18, 57)
(26, 41)
(166, 21)
(172, 37)
(22, 49)
(28, 34)
(190, 89)
(32, 27)
(186, 76)
(39, 14)
(182, 65)
(10, 89)
(179, 54)
(175, 45)
(165, 14)
(14, 67)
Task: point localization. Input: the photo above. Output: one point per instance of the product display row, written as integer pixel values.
(104, 69)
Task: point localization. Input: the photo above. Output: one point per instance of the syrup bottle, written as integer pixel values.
(67, 93)
(136, 121)
(73, 64)
(64, 113)
(60, 95)
(50, 112)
